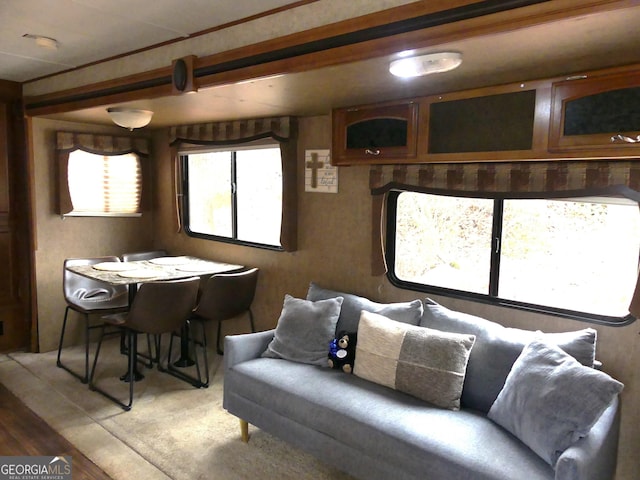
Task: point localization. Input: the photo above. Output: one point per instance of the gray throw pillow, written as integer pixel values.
(405, 312)
(497, 348)
(304, 330)
(550, 401)
(422, 362)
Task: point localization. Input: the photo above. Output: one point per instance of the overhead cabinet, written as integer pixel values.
(601, 112)
(383, 133)
(490, 123)
(593, 117)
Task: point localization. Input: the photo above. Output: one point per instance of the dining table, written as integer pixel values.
(137, 272)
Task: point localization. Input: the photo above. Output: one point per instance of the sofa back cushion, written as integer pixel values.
(405, 312)
(422, 362)
(497, 348)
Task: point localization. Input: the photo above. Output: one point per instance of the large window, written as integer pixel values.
(572, 257)
(234, 195)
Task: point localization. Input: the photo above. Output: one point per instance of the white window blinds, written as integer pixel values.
(104, 185)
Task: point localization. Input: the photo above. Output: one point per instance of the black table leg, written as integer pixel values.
(133, 351)
(133, 289)
(185, 360)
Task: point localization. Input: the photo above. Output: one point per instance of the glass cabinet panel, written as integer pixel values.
(379, 133)
(602, 112)
(491, 123)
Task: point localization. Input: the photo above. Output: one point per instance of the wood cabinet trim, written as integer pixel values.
(547, 123)
(566, 91)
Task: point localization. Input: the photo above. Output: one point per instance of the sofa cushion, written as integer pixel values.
(400, 430)
(304, 330)
(496, 349)
(422, 362)
(406, 312)
(550, 401)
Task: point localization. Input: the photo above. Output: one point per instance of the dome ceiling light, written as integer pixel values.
(129, 117)
(425, 64)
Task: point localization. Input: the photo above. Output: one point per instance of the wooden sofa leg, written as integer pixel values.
(244, 431)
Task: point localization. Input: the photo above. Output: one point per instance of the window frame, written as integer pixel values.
(491, 297)
(233, 148)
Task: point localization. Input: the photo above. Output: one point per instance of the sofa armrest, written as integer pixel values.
(240, 348)
(594, 456)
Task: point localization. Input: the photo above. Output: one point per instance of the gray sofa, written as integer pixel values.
(372, 431)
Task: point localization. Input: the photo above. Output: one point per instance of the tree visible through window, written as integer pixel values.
(562, 256)
(235, 195)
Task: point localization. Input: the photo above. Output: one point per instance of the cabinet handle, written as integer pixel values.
(368, 151)
(624, 138)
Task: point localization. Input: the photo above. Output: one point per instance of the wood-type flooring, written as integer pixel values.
(23, 433)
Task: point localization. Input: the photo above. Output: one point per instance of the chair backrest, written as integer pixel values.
(162, 307)
(132, 257)
(227, 295)
(92, 294)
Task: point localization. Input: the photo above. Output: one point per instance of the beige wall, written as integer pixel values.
(334, 251)
(57, 238)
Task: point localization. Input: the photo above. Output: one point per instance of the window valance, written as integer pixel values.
(282, 129)
(232, 132)
(519, 177)
(101, 144)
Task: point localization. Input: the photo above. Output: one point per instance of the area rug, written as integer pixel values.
(173, 431)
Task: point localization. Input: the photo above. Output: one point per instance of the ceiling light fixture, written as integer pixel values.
(44, 42)
(129, 117)
(425, 64)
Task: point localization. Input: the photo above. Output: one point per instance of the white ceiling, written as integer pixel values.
(566, 46)
(92, 30)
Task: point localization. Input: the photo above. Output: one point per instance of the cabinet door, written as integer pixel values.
(375, 134)
(488, 123)
(596, 113)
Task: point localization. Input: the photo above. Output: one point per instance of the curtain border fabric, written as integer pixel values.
(101, 144)
(234, 131)
(284, 130)
(520, 178)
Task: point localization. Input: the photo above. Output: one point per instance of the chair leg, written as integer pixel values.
(83, 378)
(204, 354)
(253, 327)
(218, 348)
(131, 357)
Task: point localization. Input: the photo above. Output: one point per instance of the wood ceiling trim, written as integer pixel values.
(321, 39)
(342, 42)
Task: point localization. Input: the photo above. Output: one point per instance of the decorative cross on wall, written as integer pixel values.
(314, 165)
(320, 175)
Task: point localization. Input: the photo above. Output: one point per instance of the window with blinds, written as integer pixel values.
(104, 185)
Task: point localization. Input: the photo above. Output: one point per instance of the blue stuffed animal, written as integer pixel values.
(342, 351)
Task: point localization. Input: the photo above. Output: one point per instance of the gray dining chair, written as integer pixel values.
(224, 296)
(135, 257)
(159, 307)
(88, 297)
